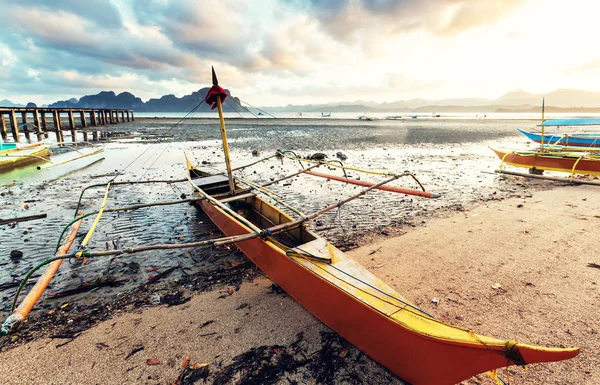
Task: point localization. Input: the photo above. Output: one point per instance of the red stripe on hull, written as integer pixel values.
(551, 163)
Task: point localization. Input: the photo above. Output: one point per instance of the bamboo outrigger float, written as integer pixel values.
(20, 312)
(344, 295)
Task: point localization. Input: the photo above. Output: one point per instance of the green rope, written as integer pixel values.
(33, 270)
(83, 191)
(64, 230)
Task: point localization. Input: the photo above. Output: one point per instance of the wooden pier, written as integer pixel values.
(42, 121)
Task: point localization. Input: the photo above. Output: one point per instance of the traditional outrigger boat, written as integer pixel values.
(13, 157)
(343, 294)
(574, 154)
(584, 140)
(337, 290)
(571, 162)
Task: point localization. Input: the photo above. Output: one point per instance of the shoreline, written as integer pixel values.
(535, 246)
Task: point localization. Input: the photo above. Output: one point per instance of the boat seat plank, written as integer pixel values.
(237, 197)
(211, 180)
(357, 281)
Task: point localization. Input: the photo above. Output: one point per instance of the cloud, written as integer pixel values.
(69, 47)
(101, 12)
(347, 20)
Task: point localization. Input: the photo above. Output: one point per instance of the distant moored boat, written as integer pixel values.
(366, 117)
(574, 139)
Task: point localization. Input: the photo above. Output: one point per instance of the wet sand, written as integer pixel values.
(448, 157)
(535, 246)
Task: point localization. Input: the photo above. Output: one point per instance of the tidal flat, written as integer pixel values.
(449, 157)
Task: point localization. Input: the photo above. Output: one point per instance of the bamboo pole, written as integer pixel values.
(542, 139)
(19, 314)
(237, 238)
(143, 205)
(22, 219)
(291, 175)
(52, 164)
(253, 163)
(224, 136)
(552, 178)
(424, 194)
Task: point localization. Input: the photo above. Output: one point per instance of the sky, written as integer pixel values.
(279, 52)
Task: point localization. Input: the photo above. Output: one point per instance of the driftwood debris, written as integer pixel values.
(87, 287)
(22, 219)
(156, 278)
(135, 350)
(552, 178)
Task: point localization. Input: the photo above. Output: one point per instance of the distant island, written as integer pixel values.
(128, 101)
(563, 100)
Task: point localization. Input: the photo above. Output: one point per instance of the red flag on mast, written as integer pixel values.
(212, 95)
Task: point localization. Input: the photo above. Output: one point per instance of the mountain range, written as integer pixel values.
(563, 100)
(517, 101)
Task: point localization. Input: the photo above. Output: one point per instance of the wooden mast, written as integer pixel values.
(542, 141)
(223, 134)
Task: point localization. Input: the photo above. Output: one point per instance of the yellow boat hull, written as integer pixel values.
(23, 157)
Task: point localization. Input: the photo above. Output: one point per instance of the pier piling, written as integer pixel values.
(72, 127)
(41, 128)
(14, 128)
(44, 124)
(57, 128)
(24, 125)
(82, 118)
(3, 127)
(38, 126)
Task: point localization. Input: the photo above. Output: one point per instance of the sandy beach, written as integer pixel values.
(515, 268)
